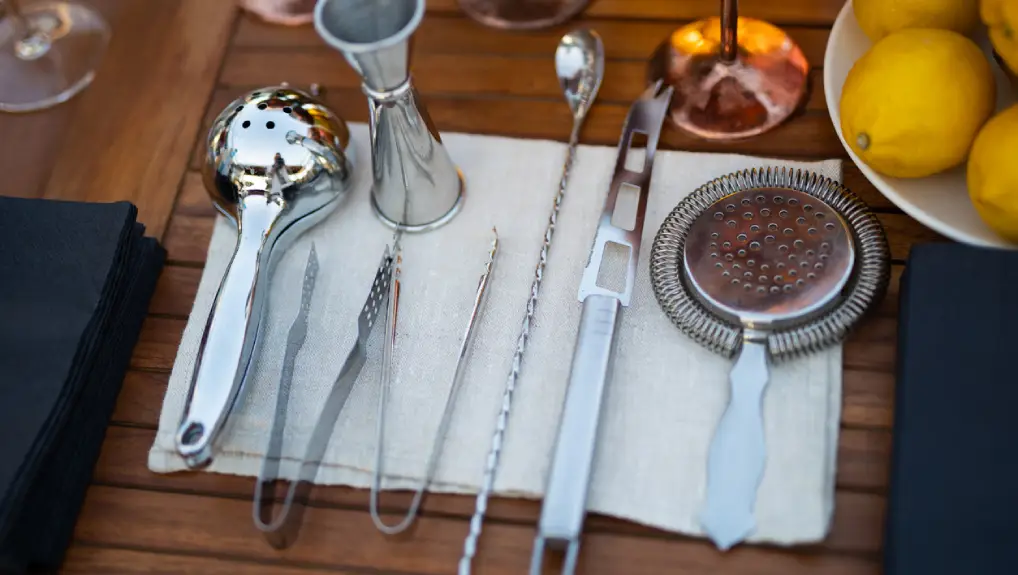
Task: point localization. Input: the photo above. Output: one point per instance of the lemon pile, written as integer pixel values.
(922, 99)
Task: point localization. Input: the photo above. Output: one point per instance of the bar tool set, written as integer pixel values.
(277, 163)
(761, 266)
(765, 265)
(579, 63)
(605, 289)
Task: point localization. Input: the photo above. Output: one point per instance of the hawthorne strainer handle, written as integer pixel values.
(735, 461)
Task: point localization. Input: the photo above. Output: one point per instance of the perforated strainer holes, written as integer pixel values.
(245, 124)
(262, 106)
(193, 434)
(270, 124)
(239, 108)
(287, 110)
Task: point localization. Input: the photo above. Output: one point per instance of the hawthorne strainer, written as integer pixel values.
(765, 264)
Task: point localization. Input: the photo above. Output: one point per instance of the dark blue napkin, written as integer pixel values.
(953, 500)
(75, 282)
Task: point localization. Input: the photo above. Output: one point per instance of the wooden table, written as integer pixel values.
(135, 134)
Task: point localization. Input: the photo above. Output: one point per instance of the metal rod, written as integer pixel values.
(729, 30)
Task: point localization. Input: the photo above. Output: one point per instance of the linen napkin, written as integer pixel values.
(75, 281)
(665, 399)
(953, 472)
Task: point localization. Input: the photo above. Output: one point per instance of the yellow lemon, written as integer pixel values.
(993, 173)
(878, 18)
(1001, 16)
(913, 104)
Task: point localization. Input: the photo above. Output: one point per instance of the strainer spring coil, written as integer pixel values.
(867, 285)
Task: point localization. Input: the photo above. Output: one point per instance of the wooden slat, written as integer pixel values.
(107, 561)
(29, 141)
(810, 135)
(141, 399)
(623, 40)
(175, 291)
(136, 124)
(453, 75)
(345, 538)
(123, 464)
(786, 11)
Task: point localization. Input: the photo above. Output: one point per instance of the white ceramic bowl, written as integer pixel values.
(940, 202)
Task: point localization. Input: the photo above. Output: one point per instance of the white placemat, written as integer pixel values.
(662, 405)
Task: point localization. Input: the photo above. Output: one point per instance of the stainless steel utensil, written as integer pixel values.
(416, 185)
(767, 264)
(277, 162)
(450, 400)
(281, 531)
(579, 63)
(603, 297)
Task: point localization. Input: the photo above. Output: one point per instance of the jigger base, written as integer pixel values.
(729, 100)
(455, 209)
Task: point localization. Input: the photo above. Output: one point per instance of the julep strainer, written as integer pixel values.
(766, 264)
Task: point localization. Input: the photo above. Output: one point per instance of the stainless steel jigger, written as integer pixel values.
(276, 165)
(416, 185)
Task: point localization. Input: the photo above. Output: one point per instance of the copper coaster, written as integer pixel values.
(522, 14)
(717, 98)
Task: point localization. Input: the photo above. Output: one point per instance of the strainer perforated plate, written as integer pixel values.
(767, 264)
(723, 333)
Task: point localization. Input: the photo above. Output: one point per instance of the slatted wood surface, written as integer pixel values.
(135, 135)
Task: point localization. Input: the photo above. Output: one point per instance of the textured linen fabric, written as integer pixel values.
(661, 407)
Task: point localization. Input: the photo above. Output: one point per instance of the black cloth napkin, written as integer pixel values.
(75, 283)
(953, 501)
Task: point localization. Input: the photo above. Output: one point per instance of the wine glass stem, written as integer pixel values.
(729, 30)
(34, 43)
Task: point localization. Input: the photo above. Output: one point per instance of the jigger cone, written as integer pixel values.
(416, 185)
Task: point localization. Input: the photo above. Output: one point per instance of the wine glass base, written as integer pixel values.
(716, 99)
(522, 14)
(50, 66)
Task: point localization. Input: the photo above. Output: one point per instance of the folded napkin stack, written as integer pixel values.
(954, 474)
(75, 282)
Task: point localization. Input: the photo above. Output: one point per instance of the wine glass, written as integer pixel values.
(49, 51)
(733, 77)
(522, 14)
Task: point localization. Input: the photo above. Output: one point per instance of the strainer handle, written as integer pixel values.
(737, 453)
(226, 347)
